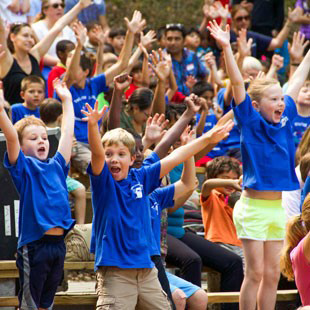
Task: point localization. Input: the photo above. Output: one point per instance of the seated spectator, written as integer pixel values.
(32, 91)
(116, 40)
(136, 74)
(12, 11)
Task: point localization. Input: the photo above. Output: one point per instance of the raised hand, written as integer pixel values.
(210, 60)
(190, 81)
(293, 15)
(222, 37)
(85, 3)
(218, 133)
(80, 33)
(93, 116)
(218, 111)
(137, 24)
(99, 34)
(187, 135)
(296, 49)
(148, 38)
(223, 12)
(244, 45)
(2, 100)
(160, 66)
(122, 82)
(277, 61)
(62, 90)
(155, 128)
(193, 103)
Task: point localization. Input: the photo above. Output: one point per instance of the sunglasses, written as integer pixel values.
(173, 26)
(57, 5)
(240, 18)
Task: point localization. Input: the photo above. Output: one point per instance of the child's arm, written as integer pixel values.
(205, 111)
(121, 82)
(276, 64)
(81, 34)
(6, 58)
(211, 64)
(210, 184)
(41, 48)
(67, 124)
(223, 38)
(181, 154)
(173, 86)
(97, 152)
(100, 48)
(299, 77)
(134, 26)
(10, 133)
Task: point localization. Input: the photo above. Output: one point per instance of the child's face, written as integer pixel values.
(137, 77)
(141, 116)
(192, 40)
(92, 36)
(208, 96)
(304, 94)
(271, 105)
(35, 142)
(118, 43)
(33, 95)
(139, 154)
(230, 175)
(118, 159)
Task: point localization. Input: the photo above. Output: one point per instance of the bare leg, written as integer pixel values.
(198, 301)
(179, 299)
(267, 292)
(254, 266)
(79, 196)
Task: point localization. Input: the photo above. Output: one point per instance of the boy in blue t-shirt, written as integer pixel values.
(85, 89)
(33, 92)
(302, 121)
(44, 215)
(122, 216)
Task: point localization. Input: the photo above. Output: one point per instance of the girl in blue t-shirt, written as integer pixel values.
(264, 117)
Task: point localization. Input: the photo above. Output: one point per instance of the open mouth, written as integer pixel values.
(278, 113)
(115, 169)
(41, 150)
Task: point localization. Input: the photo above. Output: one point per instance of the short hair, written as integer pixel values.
(305, 166)
(160, 32)
(117, 135)
(236, 8)
(62, 45)
(258, 86)
(26, 81)
(114, 32)
(50, 110)
(136, 68)
(142, 97)
(250, 62)
(193, 30)
(201, 87)
(87, 62)
(91, 25)
(176, 27)
(222, 164)
(25, 122)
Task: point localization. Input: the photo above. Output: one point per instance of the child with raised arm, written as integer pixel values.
(122, 217)
(264, 117)
(44, 215)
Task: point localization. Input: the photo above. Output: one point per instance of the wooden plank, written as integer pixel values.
(9, 274)
(200, 170)
(7, 264)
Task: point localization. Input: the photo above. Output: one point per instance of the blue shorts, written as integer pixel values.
(175, 282)
(40, 264)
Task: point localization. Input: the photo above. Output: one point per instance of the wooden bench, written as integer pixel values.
(8, 270)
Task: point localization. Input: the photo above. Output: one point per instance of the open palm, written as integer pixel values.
(221, 37)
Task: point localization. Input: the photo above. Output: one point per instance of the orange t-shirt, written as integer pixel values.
(217, 218)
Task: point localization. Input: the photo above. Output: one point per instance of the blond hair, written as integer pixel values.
(31, 79)
(250, 62)
(25, 122)
(296, 229)
(259, 86)
(119, 135)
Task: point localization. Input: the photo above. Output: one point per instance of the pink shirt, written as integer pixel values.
(301, 268)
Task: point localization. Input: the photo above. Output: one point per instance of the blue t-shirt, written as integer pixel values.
(267, 150)
(300, 125)
(120, 214)
(304, 192)
(43, 194)
(93, 87)
(160, 199)
(209, 124)
(19, 112)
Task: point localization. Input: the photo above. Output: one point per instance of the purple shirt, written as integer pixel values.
(304, 29)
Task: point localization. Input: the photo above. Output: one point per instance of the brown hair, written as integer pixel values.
(303, 147)
(50, 110)
(305, 166)
(24, 122)
(236, 8)
(26, 81)
(15, 29)
(223, 164)
(45, 4)
(296, 229)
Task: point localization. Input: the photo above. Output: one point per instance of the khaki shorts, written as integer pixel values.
(129, 289)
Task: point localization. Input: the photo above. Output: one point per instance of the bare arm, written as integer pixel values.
(276, 64)
(306, 247)
(25, 7)
(223, 38)
(211, 64)
(41, 48)
(210, 184)
(11, 137)
(94, 138)
(173, 86)
(6, 56)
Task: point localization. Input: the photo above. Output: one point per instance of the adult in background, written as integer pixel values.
(14, 11)
(185, 64)
(94, 13)
(51, 12)
(20, 57)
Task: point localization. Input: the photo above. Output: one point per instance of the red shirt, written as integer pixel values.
(130, 90)
(57, 72)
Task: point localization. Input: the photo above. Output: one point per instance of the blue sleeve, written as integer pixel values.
(221, 102)
(151, 159)
(149, 176)
(244, 112)
(98, 181)
(60, 159)
(100, 82)
(16, 170)
(69, 5)
(13, 115)
(202, 70)
(305, 192)
(101, 8)
(164, 196)
(290, 107)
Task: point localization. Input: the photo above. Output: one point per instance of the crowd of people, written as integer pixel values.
(139, 109)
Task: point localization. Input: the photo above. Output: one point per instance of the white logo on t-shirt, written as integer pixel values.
(155, 207)
(137, 189)
(284, 121)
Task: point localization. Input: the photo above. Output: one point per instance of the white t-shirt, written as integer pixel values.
(41, 30)
(8, 16)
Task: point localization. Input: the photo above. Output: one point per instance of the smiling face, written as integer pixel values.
(174, 42)
(229, 175)
(271, 105)
(192, 41)
(54, 10)
(304, 94)
(118, 159)
(35, 142)
(23, 40)
(241, 20)
(33, 95)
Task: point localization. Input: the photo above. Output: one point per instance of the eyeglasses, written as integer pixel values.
(58, 5)
(240, 18)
